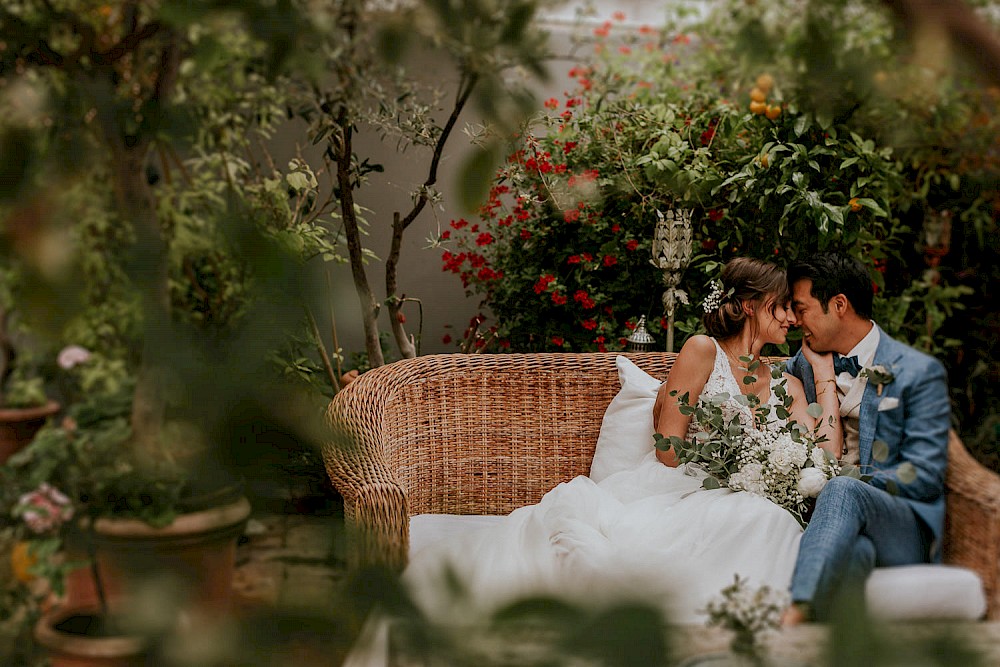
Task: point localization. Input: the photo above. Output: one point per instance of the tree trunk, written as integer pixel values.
(404, 341)
(369, 306)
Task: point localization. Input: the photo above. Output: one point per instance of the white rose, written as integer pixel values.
(818, 457)
(811, 482)
(752, 472)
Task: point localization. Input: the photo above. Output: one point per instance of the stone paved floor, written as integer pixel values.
(289, 559)
(297, 558)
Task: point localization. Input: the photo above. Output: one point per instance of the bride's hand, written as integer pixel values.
(822, 364)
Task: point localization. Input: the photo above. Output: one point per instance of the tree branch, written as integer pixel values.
(465, 89)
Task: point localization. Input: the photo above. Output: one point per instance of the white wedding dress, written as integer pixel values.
(649, 534)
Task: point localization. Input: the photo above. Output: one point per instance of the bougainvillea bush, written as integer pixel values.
(657, 119)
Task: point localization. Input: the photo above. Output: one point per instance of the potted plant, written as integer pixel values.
(24, 404)
(137, 469)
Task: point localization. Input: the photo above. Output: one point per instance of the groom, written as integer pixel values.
(894, 411)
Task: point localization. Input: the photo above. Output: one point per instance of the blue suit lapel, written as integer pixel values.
(887, 354)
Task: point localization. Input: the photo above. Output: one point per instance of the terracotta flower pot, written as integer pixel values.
(69, 636)
(196, 553)
(19, 425)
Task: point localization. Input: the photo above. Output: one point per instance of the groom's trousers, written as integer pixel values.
(854, 528)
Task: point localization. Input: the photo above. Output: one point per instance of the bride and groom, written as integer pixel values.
(652, 533)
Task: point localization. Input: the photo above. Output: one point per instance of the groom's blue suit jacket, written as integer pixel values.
(914, 431)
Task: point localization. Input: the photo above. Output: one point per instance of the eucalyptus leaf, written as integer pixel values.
(814, 410)
(880, 450)
(906, 473)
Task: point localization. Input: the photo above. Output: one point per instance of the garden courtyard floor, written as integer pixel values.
(293, 553)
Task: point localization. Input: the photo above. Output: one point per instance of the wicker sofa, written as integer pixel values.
(486, 434)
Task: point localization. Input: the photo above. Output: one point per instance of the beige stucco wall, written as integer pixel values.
(420, 274)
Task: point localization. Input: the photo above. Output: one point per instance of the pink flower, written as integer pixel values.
(72, 355)
(44, 509)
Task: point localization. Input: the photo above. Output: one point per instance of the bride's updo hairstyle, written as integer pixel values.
(750, 280)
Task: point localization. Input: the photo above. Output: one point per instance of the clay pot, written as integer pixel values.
(69, 636)
(196, 553)
(19, 425)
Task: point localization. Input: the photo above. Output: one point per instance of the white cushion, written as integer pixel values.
(925, 592)
(906, 593)
(627, 429)
(426, 529)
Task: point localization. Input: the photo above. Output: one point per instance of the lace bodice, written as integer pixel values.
(722, 380)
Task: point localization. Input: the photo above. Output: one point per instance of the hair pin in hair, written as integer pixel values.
(714, 299)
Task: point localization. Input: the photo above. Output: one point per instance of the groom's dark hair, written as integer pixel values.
(835, 273)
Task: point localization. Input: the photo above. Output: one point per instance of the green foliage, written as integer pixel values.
(840, 156)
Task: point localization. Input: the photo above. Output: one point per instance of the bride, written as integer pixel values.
(650, 533)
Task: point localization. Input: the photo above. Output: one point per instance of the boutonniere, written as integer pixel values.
(880, 375)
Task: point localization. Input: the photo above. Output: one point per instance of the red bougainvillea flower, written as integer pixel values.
(587, 257)
(572, 215)
(525, 234)
(446, 234)
(609, 260)
(573, 259)
(458, 224)
(604, 30)
(557, 341)
(615, 228)
(600, 340)
(589, 325)
(446, 339)
(484, 239)
(624, 50)
(559, 298)
(552, 103)
(631, 245)
(716, 214)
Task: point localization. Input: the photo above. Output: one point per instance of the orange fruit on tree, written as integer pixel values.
(758, 95)
(765, 82)
(21, 562)
(855, 204)
(773, 111)
(758, 107)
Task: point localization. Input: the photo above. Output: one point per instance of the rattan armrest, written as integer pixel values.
(972, 530)
(375, 506)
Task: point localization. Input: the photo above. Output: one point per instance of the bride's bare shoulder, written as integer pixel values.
(696, 358)
(698, 347)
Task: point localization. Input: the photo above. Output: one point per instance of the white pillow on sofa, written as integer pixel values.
(627, 429)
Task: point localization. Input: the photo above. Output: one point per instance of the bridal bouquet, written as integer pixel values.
(770, 456)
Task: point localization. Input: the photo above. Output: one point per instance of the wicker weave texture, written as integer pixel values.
(486, 434)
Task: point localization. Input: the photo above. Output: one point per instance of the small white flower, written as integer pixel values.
(72, 355)
(818, 457)
(811, 482)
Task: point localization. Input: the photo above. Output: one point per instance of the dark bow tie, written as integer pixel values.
(846, 365)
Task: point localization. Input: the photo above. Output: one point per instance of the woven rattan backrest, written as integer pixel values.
(486, 434)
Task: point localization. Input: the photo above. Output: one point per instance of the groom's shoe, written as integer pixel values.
(796, 614)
